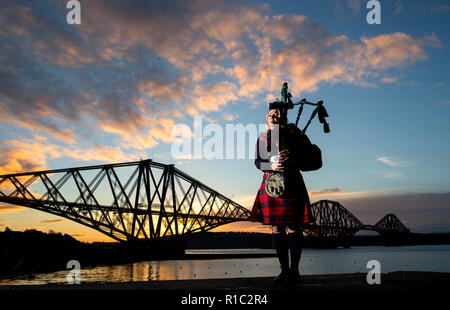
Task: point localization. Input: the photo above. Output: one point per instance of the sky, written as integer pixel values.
(113, 87)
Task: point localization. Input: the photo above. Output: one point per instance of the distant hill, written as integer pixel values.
(34, 251)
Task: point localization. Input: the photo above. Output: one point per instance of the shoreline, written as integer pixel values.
(392, 281)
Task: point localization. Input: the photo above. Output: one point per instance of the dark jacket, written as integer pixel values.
(299, 148)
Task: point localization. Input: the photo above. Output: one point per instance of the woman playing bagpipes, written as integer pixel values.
(282, 200)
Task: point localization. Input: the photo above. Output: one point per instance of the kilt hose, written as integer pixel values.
(295, 208)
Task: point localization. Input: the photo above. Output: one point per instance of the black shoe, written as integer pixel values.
(282, 277)
(293, 277)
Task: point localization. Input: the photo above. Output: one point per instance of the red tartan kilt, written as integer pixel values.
(277, 211)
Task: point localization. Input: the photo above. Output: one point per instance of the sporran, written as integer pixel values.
(275, 184)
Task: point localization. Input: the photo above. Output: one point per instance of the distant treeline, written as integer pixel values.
(33, 251)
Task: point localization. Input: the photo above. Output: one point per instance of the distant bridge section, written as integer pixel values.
(334, 222)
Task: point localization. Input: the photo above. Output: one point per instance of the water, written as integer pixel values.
(314, 261)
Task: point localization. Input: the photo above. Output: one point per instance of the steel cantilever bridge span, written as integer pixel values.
(334, 224)
(146, 200)
(126, 201)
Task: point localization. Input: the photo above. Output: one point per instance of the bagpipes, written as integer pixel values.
(311, 155)
(287, 104)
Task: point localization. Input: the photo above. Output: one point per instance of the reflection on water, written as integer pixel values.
(314, 261)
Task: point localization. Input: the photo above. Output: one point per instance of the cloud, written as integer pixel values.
(133, 68)
(230, 116)
(326, 192)
(391, 161)
(163, 130)
(102, 153)
(53, 221)
(59, 95)
(388, 161)
(28, 155)
(161, 91)
(440, 8)
(210, 98)
(354, 5)
(337, 193)
(20, 159)
(342, 7)
(398, 7)
(9, 208)
(443, 103)
(394, 50)
(22, 17)
(388, 79)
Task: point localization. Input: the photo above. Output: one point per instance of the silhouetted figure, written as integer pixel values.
(282, 200)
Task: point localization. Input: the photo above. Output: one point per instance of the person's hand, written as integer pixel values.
(283, 156)
(277, 166)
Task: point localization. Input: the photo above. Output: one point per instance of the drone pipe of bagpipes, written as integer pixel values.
(313, 114)
(300, 110)
(303, 101)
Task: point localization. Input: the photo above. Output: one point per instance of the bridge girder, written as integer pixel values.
(127, 201)
(390, 223)
(333, 221)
